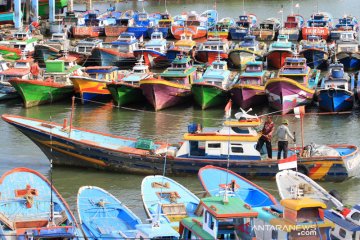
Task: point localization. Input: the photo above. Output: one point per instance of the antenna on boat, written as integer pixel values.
(292, 7)
(228, 118)
(166, 10)
(243, 3)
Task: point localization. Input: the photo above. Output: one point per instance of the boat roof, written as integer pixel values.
(252, 74)
(243, 123)
(234, 208)
(298, 204)
(68, 58)
(101, 69)
(16, 71)
(216, 73)
(216, 136)
(342, 222)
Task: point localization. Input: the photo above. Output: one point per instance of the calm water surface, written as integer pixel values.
(169, 125)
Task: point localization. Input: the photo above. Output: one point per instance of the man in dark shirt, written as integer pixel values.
(192, 54)
(266, 135)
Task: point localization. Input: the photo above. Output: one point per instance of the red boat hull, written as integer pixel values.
(209, 56)
(82, 31)
(114, 31)
(276, 59)
(323, 32)
(195, 31)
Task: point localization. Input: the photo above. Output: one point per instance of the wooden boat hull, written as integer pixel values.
(315, 58)
(239, 58)
(294, 34)
(335, 100)
(84, 31)
(38, 92)
(195, 31)
(114, 31)
(276, 59)
(163, 94)
(208, 95)
(247, 96)
(322, 32)
(351, 61)
(285, 94)
(265, 35)
(90, 89)
(210, 56)
(74, 151)
(112, 57)
(152, 58)
(29, 193)
(124, 93)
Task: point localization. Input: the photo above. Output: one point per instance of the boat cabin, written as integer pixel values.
(249, 43)
(295, 68)
(268, 25)
(59, 70)
(281, 43)
(157, 42)
(254, 73)
(291, 22)
(87, 45)
(215, 44)
(185, 43)
(347, 43)
(126, 43)
(318, 20)
(337, 79)
(156, 231)
(243, 22)
(105, 73)
(222, 218)
(236, 140)
(165, 20)
(180, 71)
(296, 219)
(139, 72)
(20, 70)
(217, 74)
(22, 35)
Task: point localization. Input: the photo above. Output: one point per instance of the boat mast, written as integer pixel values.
(166, 10)
(292, 7)
(72, 114)
(243, 3)
(51, 220)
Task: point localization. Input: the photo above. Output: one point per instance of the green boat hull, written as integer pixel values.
(124, 94)
(34, 94)
(8, 55)
(44, 7)
(207, 96)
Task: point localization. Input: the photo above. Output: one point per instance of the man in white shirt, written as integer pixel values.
(282, 133)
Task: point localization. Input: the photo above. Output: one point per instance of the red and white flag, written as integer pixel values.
(299, 111)
(228, 109)
(287, 163)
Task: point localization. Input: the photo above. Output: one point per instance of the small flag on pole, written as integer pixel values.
(299, 111)
(287, 163)
(228, 109)
(141, 39)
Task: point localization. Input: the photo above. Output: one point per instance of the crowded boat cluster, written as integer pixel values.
(233, 208)
(272, 62)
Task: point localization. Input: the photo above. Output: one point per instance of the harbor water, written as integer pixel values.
(170, 125)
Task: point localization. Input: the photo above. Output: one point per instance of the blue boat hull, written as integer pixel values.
(335, 100)
(165, 31)
(350, 62)
(101, 57)
(315, 59)
(238, 34)
(139, 31)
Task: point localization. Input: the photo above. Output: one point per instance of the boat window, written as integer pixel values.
(240, 130)
(214, 145)
(342, 233)
(21, 65)
(211, 222)
(19, 46)
(237, 150)
(81, 49)
(356, 216)
(274, 234)
(213, 48)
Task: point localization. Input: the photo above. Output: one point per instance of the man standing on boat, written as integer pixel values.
(192, 54)
(266, 135)
(282, 133)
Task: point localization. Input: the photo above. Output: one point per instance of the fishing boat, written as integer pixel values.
(163, 25)
(127, 90)
(210, 50)
(75, 147)
(316, 52)
(318, 25)
(174, 85)
(336, 92)
(347, 223)
(154, 51)
(221, 29)
(53, 86)
(292, 27)
(294, 86)
(92, 84)
(102, 216)
(167, 198)
(242, 27)
(22, 69)
(142, 21)
(32, 207)
(246, 51)
(249, 90)
(118, 53)
(91, 26)
(115, 23)
(216, 181)
(347, 51)
(221, 218)
(267, 30)
(184, 45)
(83, 49)
(346, 24)
(279, 51)
(21, 42)
(212, 88)
(194, 24)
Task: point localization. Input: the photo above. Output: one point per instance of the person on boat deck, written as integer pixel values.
(192, 54)
(266, 135)
(282, 133)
